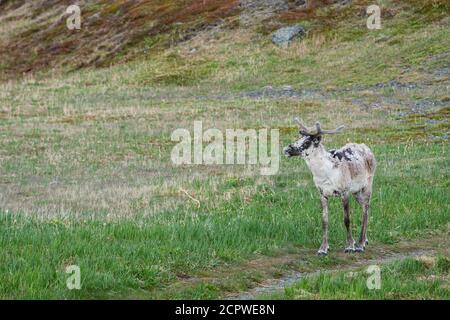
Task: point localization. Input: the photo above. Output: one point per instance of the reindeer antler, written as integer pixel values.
(303, 129)
(321, 132)
(307, 132)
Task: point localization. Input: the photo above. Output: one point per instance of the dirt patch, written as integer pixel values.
(424, 250)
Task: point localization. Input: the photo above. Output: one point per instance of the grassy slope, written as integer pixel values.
(86, 176)
(347, 54)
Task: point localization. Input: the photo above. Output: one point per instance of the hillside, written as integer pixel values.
(34, 36)
(87, 176)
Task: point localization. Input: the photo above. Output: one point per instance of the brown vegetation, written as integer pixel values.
(109, 28)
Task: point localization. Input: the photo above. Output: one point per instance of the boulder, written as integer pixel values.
(284, 36)
(300, 3)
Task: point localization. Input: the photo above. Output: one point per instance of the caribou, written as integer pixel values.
(337, 173)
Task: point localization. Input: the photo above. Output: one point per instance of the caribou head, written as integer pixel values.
(308, 139)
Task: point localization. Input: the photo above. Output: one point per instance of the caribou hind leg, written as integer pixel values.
(363, 198)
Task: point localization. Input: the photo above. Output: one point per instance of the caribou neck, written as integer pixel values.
(318, 161)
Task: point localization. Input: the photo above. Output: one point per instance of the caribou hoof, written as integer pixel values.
(359, 249)
(349, 250)
(322, 253)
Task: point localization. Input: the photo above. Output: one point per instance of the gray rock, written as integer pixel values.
(442, 72)
(300, 3)
(344, 2)
(284, 36)
(94, 18)
(264, 4)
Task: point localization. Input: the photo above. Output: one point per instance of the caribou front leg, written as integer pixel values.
(323, 250)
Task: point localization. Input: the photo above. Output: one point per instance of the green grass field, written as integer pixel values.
(86, 177)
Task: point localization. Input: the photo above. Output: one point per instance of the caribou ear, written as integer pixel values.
(316, 140)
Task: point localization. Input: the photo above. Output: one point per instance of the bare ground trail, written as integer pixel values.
(420, 249)
(268, 274)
